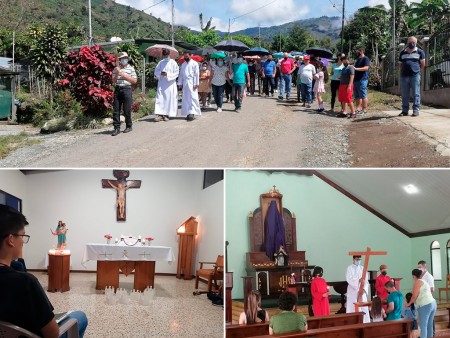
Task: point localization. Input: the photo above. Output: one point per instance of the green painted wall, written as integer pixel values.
(329, 225)
(421, 251)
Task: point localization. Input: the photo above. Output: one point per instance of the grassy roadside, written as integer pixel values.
(13, 142)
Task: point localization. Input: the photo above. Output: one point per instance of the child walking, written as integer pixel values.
(410, 312)
(319, 86)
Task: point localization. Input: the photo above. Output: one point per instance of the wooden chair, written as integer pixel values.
(446, 289)
(209, 275)
(8, 330)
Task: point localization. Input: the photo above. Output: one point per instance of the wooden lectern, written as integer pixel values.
(186, 245)
(58, 272)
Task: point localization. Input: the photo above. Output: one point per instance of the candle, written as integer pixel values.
(117, 240)
(121, 236)
(139, 237)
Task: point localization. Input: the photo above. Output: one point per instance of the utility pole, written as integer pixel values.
(259, 34)
(342, 27)
(393, 34)
(173, 23)
(90, 24)
(280, 41)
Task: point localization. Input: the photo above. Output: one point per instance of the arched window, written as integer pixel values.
(436, 269)
(448, 257)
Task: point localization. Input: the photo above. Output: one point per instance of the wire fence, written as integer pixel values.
(437, 72)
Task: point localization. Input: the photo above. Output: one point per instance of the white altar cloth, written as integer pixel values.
(119, 252)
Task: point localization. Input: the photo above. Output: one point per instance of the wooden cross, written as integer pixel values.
(121, 185)
(367, 255)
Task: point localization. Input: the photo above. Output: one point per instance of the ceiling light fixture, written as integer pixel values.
(411, 189)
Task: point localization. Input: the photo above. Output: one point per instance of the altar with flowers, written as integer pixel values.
(125, 256)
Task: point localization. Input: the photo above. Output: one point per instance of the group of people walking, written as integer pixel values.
(235, 78)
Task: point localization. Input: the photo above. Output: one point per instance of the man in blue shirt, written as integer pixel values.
(241, 79)
(269, 71)
(412, 60)
(361, 81)
(394, 302)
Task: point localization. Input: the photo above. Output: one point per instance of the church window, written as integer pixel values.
(436, 269)
(10, 200)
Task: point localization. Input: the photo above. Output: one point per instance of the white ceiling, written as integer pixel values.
(382, 190)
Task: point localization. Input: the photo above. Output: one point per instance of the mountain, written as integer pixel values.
(319, 27)
(108, 18)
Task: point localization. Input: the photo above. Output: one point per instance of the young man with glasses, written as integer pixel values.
(24, 302)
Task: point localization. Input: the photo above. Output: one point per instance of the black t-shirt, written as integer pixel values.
(23, 300)
(360, 63)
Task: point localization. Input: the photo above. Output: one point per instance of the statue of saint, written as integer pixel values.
(120, 203)
(61, 231)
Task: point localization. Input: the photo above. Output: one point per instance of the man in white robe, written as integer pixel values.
(166, 103)
(189, 79)
(353, 277)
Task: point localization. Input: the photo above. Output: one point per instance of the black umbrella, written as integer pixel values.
(256, 51)
(231, 46)
(320, 52)
(203, 51)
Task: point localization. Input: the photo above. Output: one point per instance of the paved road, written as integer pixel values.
(267, 133)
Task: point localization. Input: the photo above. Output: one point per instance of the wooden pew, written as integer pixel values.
(241, 331)
(388, 329)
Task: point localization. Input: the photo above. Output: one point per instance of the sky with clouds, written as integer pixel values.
(247, 13)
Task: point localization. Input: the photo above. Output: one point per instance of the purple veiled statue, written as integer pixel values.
(274, 231)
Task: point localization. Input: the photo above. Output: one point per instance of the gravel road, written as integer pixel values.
(267, 133)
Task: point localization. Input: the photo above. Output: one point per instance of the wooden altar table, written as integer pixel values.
(112, 259)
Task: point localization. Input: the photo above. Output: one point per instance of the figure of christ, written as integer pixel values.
(120, 203)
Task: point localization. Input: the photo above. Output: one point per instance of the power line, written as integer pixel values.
(240, 16)
(334, 6)
(154, 5)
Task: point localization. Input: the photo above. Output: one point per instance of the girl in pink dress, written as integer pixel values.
(319, 87)
(320, 293)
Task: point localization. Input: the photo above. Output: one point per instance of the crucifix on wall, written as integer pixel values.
(121, 185)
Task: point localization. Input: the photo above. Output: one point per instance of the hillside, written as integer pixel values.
(108, 18)
(319, 27)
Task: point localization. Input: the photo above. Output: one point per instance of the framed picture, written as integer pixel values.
(10, 200)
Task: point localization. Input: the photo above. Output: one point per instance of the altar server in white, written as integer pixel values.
(166, 103)
(189, 80)
(353, 277)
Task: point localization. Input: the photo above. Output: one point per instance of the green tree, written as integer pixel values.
(47, 53)
(248, 40)
(208, 26)
(429, 15)
(298, 38)
(278, 42)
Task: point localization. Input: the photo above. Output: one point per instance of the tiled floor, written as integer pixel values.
(175, 311)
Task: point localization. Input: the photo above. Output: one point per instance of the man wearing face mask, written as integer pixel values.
(287, 66)
(354, 279)
(166, 102)
(268, 71)
(241, 78)
(380, 283)
(412, 60)
(124, 76)
(189, 81)
(362, 64)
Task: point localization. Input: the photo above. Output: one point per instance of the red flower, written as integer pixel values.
(108, 236)
(149, 239)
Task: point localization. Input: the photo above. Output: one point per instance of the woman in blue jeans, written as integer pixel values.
(425, 304)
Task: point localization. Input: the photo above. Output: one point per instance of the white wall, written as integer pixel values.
(166, 199)
(211, 230)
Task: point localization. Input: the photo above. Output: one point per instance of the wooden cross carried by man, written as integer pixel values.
(121, 185)
(367, 255)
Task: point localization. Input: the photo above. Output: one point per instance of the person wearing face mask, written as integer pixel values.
(252, 73)
(362, 64)
(218, 81)
(287, 66)
(412, 60)
(189, 81)
(124, 76)
(166, 102)
(345, 93)
(268, 73)
(320, 293)
(354, 280)
(204, 87)
(241, 78)
(380, 283)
